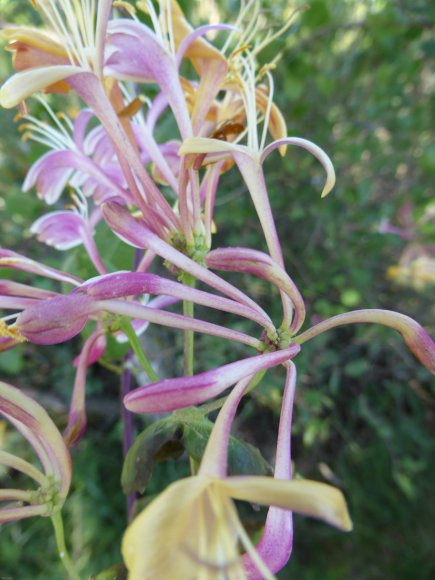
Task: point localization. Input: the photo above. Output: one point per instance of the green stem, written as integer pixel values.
(68, 564)
(127, 328)
(194, 466)
(189, 336)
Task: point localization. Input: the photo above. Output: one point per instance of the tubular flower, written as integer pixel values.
(249, 158)
(69, 159)
(60, 317)
(194, 523)
(415, 337)
(55, 478)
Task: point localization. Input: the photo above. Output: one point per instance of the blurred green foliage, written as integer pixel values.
(354, 77)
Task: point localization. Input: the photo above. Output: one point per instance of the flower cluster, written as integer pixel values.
(133, 67)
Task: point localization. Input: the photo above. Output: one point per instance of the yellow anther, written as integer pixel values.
(10, 332)
(241, 49)
(26, 136)
(265, 69)
(132, 108)
(143, 6)
(125, 6)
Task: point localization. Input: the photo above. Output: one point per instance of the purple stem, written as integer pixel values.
(126, 415)
(127, 422)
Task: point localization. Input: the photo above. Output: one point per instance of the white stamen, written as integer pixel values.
(268, 110)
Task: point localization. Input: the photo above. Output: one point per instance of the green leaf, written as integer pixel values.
(159, 442)
(243, 458)
(11, 362)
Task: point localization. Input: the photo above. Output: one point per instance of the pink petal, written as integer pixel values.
(61, 229)
(275, 545)
(142, 58)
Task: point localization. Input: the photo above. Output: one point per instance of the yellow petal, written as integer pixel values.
(24, 84)
(33, 37)
(200, 145)
(150, 544)
(306, 497)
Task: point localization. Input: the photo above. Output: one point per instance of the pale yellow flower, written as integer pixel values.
(192, 530)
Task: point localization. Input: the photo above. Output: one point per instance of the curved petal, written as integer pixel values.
(314, 150)
(77, 412)
(275, 545)
(51, 174)
(164, 520)
(24, 84)
(262, 265)
(310, 498)
(141, 57)
(416, 338)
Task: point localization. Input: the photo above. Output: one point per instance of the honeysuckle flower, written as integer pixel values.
(68, 229)
(141, 55)
(54, 480)
(194, 523)
(69, 160)
(78, 48)
(417, 272)
(82, 40)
